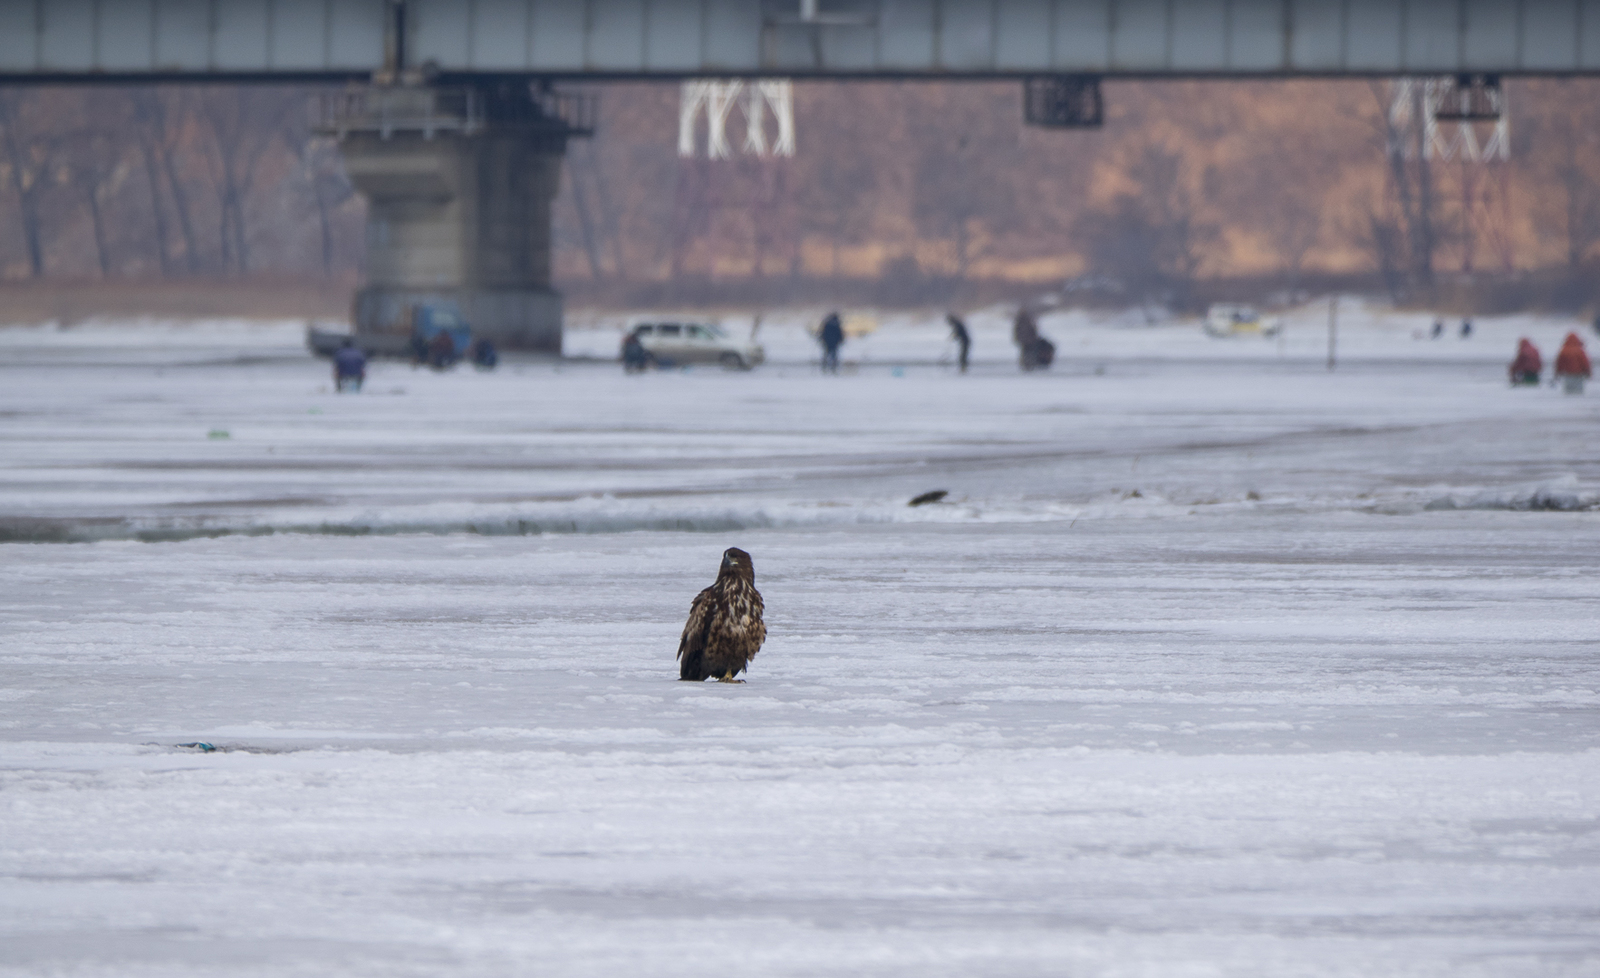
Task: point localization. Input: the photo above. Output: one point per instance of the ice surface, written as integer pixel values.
(1319, 699)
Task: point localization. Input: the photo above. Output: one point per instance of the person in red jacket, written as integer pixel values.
(1572, 365)
(1525, 368)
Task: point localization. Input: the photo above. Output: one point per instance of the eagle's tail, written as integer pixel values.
(692, 668)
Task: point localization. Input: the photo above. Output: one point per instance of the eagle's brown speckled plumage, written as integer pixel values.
(725, 630)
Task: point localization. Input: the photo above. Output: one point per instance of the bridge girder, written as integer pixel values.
(88, 40)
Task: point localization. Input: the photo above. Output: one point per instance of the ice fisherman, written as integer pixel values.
(1036, 351)
(958, 332)
(442, 351)
(831, 337)
(1525, 368)
(635, 358)
(349, 367)
(1466, 329)
(484, 355)
(1572, 365)
(1438, 329)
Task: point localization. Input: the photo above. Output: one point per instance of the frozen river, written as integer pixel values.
(1211, 663)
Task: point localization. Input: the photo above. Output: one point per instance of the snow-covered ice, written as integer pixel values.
(1212, 663)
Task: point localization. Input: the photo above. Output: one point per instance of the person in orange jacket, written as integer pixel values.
(1525, 368)
(1572, 365)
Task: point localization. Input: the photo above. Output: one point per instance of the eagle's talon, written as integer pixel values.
(725, 679)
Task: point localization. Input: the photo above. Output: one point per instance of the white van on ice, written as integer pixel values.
(674, 344)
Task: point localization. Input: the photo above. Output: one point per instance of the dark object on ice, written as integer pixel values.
(832, 337)
(635, 358)
(1466, 328)
(929, 497)
(958, 332)
(325, 343)
(725, 630)
(439, 336)
(199, 746)
(1597, 325)
(484, 355)
(1438, 329)
(442, 353)
(349, 367)
(1037, 353)
(1525, 368)
(1041, 355)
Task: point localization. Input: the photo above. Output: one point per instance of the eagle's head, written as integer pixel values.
(736, 561)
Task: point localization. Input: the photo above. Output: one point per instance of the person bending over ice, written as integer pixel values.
(349, 367)
(1525, 368)
(958, 332)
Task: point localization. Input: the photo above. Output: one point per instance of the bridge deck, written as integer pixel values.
(117, 39)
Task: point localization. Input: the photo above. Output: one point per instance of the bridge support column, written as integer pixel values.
(458, 183)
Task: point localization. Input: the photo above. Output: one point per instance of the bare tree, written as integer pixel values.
(94, 160)
(963, 187)
(836, 203)
(1281, 200)
(320, 174)
(1411, 180)
(243, 122)
(1574, 167)
(30, 146)
(586, 222)
(960, 191)
(1155, 237)
(161, 115)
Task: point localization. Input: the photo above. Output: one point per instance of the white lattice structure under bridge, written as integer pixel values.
(1452, 109)
(757, 100)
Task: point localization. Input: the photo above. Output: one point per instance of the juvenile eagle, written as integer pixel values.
(725, 630)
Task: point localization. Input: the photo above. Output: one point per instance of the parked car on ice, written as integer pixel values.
(1227, 319)
(672, 344)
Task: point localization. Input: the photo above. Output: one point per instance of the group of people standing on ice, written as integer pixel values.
(1571, 368)
(1037, 353)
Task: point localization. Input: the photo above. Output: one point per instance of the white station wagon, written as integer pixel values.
(673, 344)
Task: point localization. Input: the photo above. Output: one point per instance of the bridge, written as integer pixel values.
(451, 128)
(347, 39)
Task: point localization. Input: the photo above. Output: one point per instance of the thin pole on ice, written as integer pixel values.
(1333, 331)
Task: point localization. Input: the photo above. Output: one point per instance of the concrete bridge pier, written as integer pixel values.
(459, 182)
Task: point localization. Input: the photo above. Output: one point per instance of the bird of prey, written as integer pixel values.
(725, 630)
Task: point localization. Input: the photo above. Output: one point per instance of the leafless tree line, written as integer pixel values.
(170, 181)
(924, 183)
(1187, 181)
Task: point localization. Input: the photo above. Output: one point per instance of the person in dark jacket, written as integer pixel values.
(349, 367)
(484, 355)
(635, 358)
(832, 337)
(958, 332)
(1525, 368)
